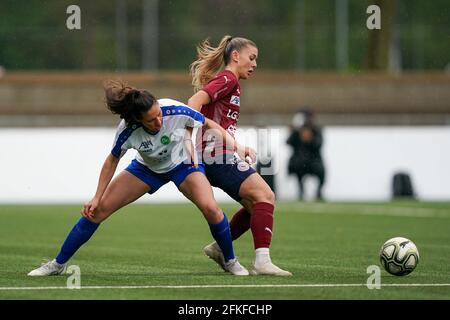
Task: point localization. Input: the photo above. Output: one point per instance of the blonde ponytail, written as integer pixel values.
(210, 61)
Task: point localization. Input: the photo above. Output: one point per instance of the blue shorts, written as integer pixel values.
(157, 180)
(228, 174)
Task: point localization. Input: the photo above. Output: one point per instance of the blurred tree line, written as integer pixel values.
(291, 34)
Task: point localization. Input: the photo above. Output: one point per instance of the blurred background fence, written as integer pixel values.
(162, 34)
(315, 53)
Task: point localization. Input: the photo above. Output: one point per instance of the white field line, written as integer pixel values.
(324, 285)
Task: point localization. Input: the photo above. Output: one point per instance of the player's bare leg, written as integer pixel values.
(122, 190)
(258, 199)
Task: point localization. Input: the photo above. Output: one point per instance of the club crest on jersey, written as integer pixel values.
(236, 100)
(165, 140)
(232, 130)
(243, 166)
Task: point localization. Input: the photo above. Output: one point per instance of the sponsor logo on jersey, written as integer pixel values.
(236, 100)
(162, 152)
(233, 114)
(145, 145)
(165, 140)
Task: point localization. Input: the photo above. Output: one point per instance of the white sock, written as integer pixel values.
(262, 256)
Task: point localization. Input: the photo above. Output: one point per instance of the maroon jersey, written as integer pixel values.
(224, 107)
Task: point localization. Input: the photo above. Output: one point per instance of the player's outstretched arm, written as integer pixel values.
(106, 174)
(199, 99)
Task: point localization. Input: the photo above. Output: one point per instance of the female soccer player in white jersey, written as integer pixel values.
(156, 129)
(216, 75)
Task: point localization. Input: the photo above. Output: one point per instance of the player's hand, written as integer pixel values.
(190, 149)
(194, 158)
(246, 153)
(89, 207)
(250, 155)
(240, 150)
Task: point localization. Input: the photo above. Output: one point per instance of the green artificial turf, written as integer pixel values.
(325, 246)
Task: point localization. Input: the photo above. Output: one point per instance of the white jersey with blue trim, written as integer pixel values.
(164, 150)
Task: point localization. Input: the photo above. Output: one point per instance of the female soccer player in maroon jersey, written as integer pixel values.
(215, 76)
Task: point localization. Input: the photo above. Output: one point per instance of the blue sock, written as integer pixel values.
(221, 233)
(80, 233)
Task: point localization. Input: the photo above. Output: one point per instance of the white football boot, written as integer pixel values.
(51, 268)
(268, 268)
(233, 266)
(214, 252)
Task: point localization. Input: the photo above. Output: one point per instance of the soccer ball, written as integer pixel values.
(399, 256)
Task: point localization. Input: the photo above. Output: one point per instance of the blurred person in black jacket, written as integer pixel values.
(306, 142)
